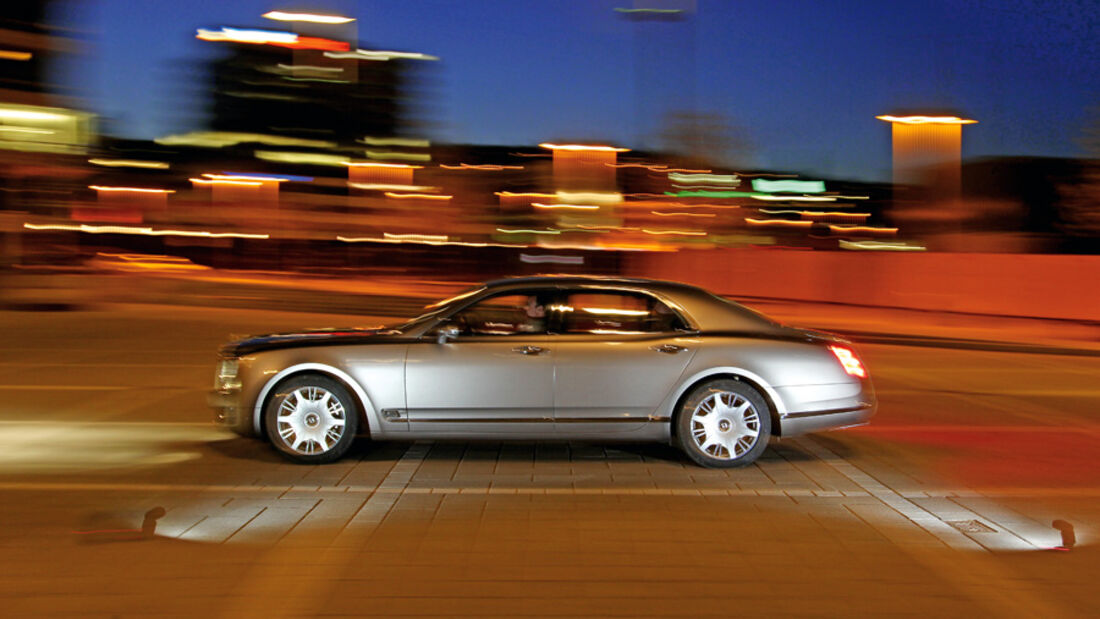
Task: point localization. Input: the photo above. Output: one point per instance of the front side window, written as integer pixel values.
(616, 313)
(508, 314)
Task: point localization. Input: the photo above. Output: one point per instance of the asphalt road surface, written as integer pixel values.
(120, 498)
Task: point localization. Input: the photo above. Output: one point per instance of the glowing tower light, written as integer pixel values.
(928, 150)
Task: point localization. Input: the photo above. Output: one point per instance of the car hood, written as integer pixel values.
(308, 337)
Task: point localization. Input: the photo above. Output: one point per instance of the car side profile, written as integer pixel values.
(566, 357)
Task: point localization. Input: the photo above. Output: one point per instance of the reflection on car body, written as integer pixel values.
(567, 357)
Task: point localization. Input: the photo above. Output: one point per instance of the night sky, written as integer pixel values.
(803, 80)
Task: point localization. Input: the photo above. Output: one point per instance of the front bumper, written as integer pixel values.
(226, 406)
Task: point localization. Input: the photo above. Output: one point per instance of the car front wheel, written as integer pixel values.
(723, 423)
(311, 419)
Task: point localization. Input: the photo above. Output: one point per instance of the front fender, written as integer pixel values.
(370, 413)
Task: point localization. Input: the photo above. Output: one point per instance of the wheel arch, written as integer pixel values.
(367, 413)
(776, 408)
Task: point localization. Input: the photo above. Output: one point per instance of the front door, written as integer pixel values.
(495, 376)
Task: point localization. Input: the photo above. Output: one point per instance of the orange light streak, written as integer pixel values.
(582, 207)
(679, 232)
(584, 148)
(778, 222)
(418, 196)
(683, 214)
(144, 231)
(927, 120)
(372, 164)
(225, 182)
(871, 229)
(509, 194)
(130, 189)
(487, 166)
(244, 177)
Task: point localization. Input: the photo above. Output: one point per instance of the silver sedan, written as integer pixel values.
(549, 358)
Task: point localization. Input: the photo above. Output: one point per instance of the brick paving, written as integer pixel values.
(528, 529)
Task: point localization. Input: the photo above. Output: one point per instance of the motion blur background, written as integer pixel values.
(935, 155)
(921, 177)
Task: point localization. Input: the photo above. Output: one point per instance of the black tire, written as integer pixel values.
(312, 429)
(735, 436)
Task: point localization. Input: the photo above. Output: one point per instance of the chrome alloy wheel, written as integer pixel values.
(725, 425)
(311, 420)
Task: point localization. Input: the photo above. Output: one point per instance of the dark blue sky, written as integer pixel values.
(804, 80)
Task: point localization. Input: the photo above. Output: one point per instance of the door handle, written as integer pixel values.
(529, 350)
(671, 349)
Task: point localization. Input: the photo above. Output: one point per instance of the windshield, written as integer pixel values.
(433, 310)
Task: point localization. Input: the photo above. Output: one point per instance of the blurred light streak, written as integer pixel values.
(308, 17)
(687, 171)
(144, 231)
(527, 231)
(129, 163)
(549, 259)
(792, 186)
(130, 189)
(14, 113)
(773, 198)
(583, 207)
(13, 55)
(373, 164)
(240, 35)
(219, 139)
(705, 179)
(411, 142)
(779, 222)
(869, 229)
(417, 237)
(487, 166)
(603, 198)
(419, 196)
(674, 214)
(315, 79)
(307, 158)
(27, 130)
(880, 246)
(374, 154)
(655, 167)
(383, 55)
(146, 262)
(234, 177)
(509, 194)
(367, 239)
(677, 232)
(584, 148)
(710, 194)
(266, 177)
(307, 67)
(927, 120)
(389, 187)
(226, 182)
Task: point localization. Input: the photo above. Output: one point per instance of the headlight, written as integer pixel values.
(226, 377)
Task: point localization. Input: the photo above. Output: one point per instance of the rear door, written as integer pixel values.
(617, 356)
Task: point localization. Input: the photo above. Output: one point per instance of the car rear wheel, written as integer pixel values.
(723, 423)
(311, 419)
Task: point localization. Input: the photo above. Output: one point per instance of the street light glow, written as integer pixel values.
(308, 17)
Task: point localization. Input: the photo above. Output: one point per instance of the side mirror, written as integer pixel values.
(447, 333)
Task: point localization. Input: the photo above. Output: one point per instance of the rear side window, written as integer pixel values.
(615, 313)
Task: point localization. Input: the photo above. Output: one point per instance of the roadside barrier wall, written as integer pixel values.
(1036, 285)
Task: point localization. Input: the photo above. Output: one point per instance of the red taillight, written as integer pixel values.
(848, 359)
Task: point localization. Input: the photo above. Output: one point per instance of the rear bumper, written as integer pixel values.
(794, 424)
